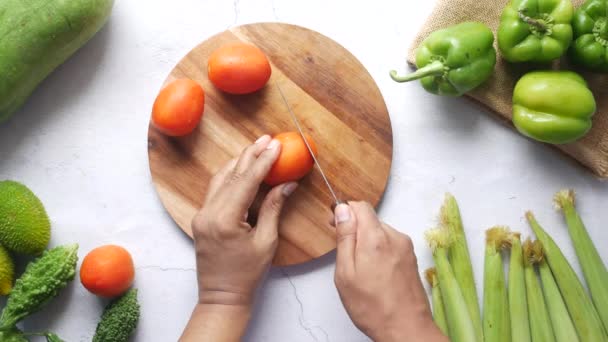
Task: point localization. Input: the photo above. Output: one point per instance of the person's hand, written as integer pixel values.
(377, 278)
(232, 257)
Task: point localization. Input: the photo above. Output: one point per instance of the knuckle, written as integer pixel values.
(206, 223)
(363, 206)
(339, 278)
(268, 156)
(215, 181)
(237, 176)
(216, 178)
(247, 153)
(274, 240)
(201, 224)
(268, 243)
(224, 231)
(415, 262)
(379, 246)
(275, 203)
(356, 205)
(250, 149)
(407, 242)
(344, 234)
(342, 279)
(378, 241)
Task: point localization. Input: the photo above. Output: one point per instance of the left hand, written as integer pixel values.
(232, 256)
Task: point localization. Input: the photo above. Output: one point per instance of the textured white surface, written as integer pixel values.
(80, 144)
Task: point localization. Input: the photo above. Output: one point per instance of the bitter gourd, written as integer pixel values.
(40, 283)
(119, 319)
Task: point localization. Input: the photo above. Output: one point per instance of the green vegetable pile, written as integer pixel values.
(543, 299)
(25, 229)
(554, 107)
(42, 281)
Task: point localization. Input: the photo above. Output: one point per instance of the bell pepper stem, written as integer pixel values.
(600, 30)
(435, 68)
(539, 24)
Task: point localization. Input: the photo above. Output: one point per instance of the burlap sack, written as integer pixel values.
(495, 94)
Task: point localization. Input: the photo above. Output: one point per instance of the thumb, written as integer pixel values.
(270, 211)
(346, 229)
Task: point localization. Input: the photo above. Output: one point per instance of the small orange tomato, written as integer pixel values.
(178, 107)
(294, 161)
(107, 271)
(238, 68)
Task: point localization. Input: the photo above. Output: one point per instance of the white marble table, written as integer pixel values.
(80, 144)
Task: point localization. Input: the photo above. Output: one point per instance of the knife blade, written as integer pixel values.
(299, 127)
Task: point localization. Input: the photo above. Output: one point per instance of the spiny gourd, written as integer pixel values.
(41, 281)
(24, 225)
(119, 319)
(7, 272)
(36, 36)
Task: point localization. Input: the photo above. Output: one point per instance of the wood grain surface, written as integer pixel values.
(337, 103)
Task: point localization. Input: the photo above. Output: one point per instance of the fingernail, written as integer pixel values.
(262, 138)
(289, 188)
(342, 213)
(273, 144)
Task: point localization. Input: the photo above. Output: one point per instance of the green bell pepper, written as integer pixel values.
(454, 60)
(590, 23)
(535, 30)
(553, 106)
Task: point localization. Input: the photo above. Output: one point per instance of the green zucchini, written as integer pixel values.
(36, 36)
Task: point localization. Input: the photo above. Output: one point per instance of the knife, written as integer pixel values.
(297, 123)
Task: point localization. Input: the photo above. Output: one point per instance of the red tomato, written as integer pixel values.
(294, 161)
(238, 68)
(107, 271)
(178, 107)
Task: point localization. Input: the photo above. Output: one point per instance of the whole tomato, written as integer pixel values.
(294, 161)
(178, 107)
(238, 68)
(107, 271)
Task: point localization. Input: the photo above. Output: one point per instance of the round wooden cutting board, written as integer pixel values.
(337, 103)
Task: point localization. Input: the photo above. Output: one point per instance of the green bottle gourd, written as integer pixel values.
(36, 36)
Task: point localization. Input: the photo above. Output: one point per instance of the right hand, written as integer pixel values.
(377, 278)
